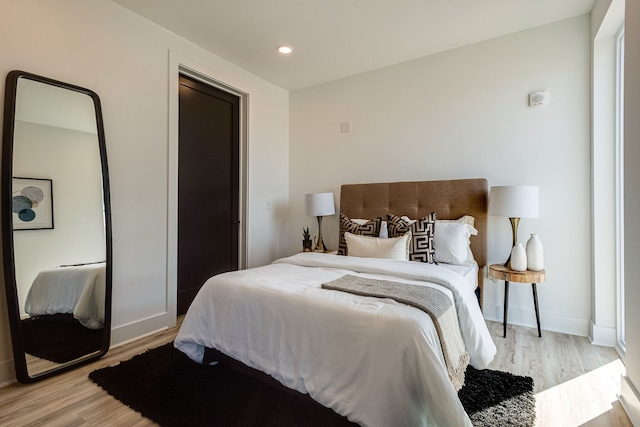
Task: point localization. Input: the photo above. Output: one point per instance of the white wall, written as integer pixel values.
(630, 396)
(124, 58)
(464, 114)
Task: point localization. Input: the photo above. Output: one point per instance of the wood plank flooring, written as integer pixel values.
(575, 384)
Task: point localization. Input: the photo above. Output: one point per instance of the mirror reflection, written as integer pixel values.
(58, 227)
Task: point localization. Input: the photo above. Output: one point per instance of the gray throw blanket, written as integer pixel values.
(432, 301)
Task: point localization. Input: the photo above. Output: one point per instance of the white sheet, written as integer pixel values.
(75, 289)
(468, 271)
(375, 361)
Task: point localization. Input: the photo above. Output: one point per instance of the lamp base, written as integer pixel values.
(508, 262)
(320, 247)
(514, 236)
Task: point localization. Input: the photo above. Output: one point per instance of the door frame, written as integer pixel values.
(181, 65)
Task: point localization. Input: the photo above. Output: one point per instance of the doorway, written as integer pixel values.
(208, 186)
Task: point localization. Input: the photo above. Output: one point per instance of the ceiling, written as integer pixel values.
(332, 39)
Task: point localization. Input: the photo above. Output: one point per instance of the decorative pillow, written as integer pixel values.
(384, 233)
(376, 247)
(407, 219)
(452, 242)
(359, 221)
(422, 247)
(370, 228)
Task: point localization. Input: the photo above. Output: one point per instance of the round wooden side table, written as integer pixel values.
(500, 272)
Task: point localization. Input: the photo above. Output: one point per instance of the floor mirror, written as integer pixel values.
(56, 225)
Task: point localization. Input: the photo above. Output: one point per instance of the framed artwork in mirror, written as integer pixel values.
(32, 203)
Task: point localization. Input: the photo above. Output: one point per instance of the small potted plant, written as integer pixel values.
(306, 240)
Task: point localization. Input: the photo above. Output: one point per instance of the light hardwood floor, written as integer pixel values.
(575, 384)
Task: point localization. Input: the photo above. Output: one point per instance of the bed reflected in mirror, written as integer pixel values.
(56, 225)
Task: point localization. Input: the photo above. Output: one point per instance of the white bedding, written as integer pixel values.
(375, 361)
(75, 289)
(468, 271)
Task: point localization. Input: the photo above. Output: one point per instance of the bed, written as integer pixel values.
(76, 289)
(376, 361)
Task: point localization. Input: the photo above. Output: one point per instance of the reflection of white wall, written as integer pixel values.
(40, 103)
(71, 159)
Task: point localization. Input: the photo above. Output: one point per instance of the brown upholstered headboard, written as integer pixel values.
(450, 199)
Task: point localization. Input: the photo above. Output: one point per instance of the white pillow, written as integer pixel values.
(384, 231)
(466, 219)
(375, 247)
(451, 240)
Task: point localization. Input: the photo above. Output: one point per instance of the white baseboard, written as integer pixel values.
(602, 335)
(148, 334)
(7, 373)
(630, 400)
(527, 317)
(141, 328)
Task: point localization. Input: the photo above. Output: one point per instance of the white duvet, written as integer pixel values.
(74, 289)
(375, 361)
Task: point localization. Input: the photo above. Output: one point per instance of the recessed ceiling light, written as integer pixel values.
(284, 49)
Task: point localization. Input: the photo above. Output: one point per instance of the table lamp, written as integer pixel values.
(319, 205)
(514, 202)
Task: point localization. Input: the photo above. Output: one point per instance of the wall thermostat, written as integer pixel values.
(538, 98)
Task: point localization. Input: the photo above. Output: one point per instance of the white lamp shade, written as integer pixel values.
(319, 204)
(516, 201)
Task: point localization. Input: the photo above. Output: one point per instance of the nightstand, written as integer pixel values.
(500, 272)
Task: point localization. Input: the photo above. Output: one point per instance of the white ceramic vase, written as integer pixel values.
(535, 254)
(518, 257)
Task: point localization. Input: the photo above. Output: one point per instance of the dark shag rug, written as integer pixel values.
(497, 399)
(165, 386)
(59, 338)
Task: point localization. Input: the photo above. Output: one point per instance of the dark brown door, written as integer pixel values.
(208, 186)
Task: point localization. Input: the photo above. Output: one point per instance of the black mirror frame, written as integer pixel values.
(13, 308)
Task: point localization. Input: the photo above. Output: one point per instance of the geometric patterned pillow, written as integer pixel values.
(422, 248)
(370, 228)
